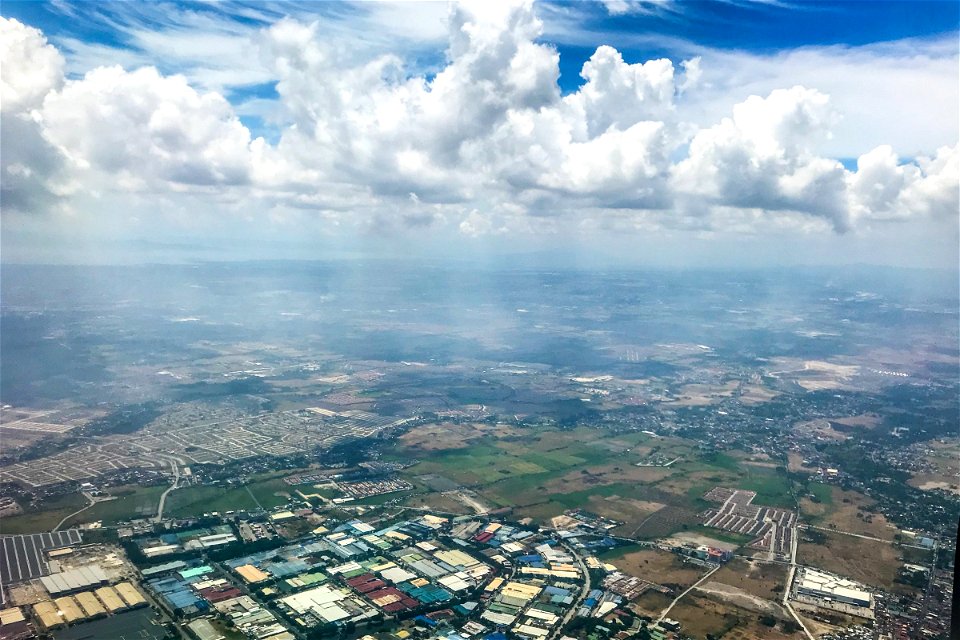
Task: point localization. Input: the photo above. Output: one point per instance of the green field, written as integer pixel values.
(44, 519)
(195, 501)
(720, 534)
(537, 473)
(824, 492)
(263, 490)
(772, 490)
(608, 555)
(132, 502)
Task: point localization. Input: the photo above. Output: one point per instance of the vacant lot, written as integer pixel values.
(846, 511)
(945, 462)
(668, 520)
(271, 492)
(701, 617)
(763, 580)
(658, 566)
(651, 603)
(438, 502)
(437, 437)
(867, 561)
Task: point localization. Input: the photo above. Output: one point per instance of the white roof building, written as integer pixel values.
(820, 584)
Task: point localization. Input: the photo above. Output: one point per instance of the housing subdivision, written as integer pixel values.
(771, 528)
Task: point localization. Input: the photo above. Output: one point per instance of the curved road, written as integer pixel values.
(163, 496)
(65, 518)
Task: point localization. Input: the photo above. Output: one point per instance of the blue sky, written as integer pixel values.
(674, 28)
(378, 126)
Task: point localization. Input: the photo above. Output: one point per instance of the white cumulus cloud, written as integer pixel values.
(486, 141)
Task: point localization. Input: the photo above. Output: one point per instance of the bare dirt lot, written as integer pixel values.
(438, 437)
(761, 579)
(439, 502)
(727, 594)
(700, 616)
(658, 566)
(651, 603)
(944, 460)
(796, 463)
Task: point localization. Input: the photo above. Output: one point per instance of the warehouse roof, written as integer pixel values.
(69, 609)
(251, 574)
(110, 598)
(48, 615)
(89, 603)
(130, 594)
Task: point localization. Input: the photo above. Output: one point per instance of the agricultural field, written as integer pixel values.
(844, 555)
(543, 472)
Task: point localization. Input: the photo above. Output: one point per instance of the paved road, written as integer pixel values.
(663, 614)
(846, 533)
(163, 496)
(583, 592)
(89, 499)
(786, 589)
(254, 498)
(921, 617)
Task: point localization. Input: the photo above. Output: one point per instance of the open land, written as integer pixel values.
(846, 556)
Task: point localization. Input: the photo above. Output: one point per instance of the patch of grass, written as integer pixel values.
(824, 492)
(695, 495)
(619, 552)
(264, 490)
(195, 501)
(132, 502)
(772, 489)
(721, 461)
(384, 497)
(719, 534)
(582, 498)
(913, 555)
(43, 518)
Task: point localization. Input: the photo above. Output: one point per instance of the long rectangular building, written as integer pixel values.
(90, 605)
(111, 599)
(819, 584)
(69, 609)
(130, 595)
(73, 580)
(47, 614)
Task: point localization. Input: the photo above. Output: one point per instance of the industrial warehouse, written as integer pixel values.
(822, 590)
